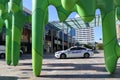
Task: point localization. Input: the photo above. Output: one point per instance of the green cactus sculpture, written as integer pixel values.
(18, 21)
(6, 17)
(38, 20)
(86, 10)
(10, 19)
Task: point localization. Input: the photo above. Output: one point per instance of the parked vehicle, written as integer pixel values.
(74, 52)
(2, 52)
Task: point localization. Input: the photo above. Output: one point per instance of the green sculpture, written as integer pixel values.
(39, 19)
(85, 8)
(10, 19)
(18, 21)
(6, 17)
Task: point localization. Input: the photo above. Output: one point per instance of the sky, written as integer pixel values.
(54, 17)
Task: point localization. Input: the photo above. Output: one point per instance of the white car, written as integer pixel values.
(74, 52)
(2, 51)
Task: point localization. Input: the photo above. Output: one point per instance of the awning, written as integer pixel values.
(77, 23)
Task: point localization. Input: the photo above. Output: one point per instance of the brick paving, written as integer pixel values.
(60, 69)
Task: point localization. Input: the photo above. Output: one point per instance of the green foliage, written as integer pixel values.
(99, 46)
(88, 46)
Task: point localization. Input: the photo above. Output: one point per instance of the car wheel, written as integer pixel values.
(86, 55)
(2, 56)
(62, 56)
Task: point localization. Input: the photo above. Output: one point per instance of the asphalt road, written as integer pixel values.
(60, 69)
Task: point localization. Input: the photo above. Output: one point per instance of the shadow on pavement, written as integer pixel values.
(81, 76)
(99, 68)
(61, 66)
(12, 78)
(26, 69)
(8, 78)
(25, 64)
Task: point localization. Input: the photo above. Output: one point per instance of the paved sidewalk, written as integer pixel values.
(60, 69)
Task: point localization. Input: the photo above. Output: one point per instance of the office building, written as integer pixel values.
(85, 35)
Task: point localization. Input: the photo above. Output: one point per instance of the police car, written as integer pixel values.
(74, 52)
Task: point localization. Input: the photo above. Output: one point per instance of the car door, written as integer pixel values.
(73, 52)
(82, 50)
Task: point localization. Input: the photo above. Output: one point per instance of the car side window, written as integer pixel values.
(80, 48)
(73, 49)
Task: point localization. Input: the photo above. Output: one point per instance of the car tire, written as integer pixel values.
(2, 55)
(86, 55)
(62, 56)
